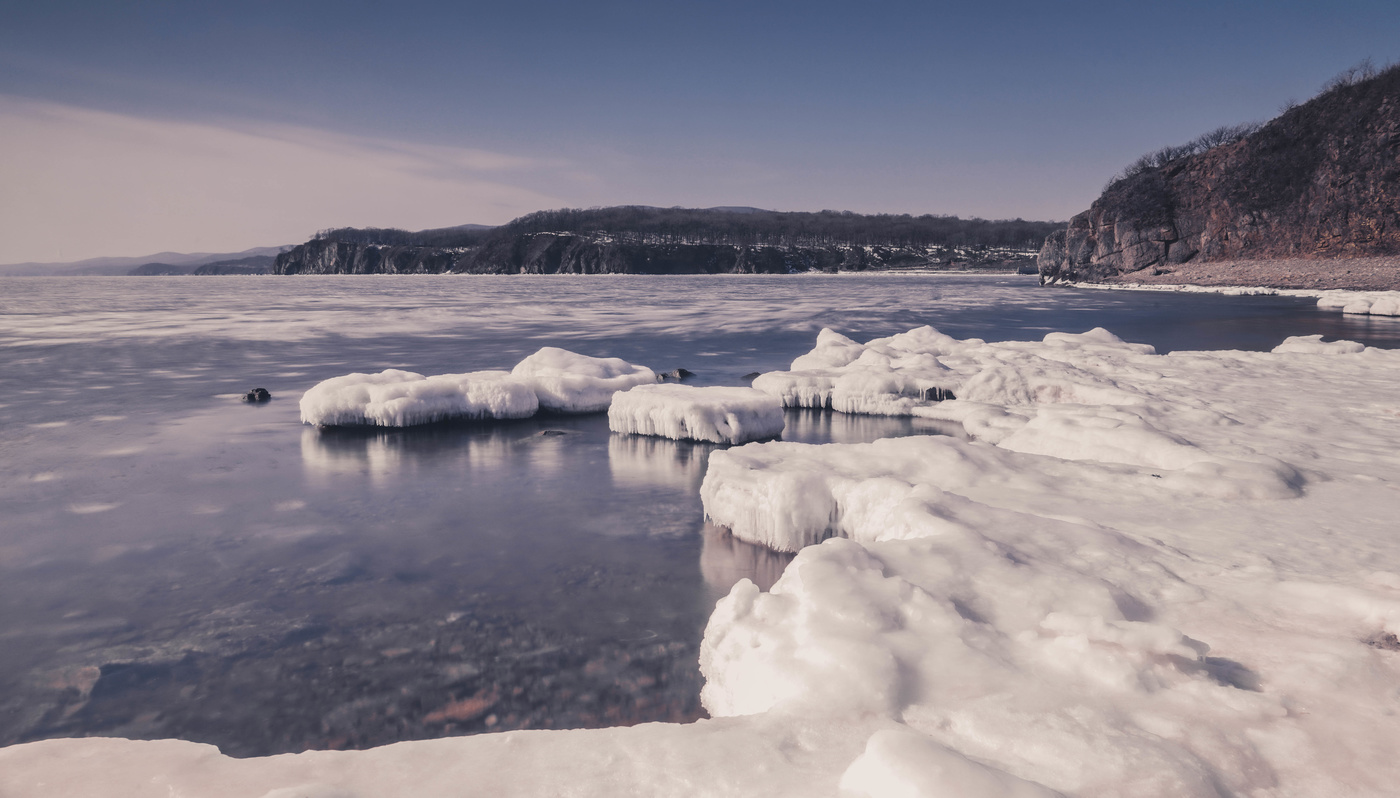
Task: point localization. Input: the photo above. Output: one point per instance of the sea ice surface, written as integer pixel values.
(683, 412)
(1137, 575)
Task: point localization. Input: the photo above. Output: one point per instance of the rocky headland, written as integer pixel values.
(1310, 199)
(642, 240)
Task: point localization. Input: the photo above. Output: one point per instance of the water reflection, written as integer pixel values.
(386, 455)
(808, 425)
(724, 560)
(644, 460)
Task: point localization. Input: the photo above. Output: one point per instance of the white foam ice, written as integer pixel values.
(683, 412)
(569, 382)
(552, 379)
(394, 398)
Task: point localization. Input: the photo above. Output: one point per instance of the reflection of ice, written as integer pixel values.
(385, 455)
(724, 560)
(643, 460)
(807, 425)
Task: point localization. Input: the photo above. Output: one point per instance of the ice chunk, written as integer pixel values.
(1314, 345)
(394, 398)
(899, 375)
(681, 412)
(569, 382)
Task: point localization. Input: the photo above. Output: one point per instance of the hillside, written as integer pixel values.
(645, 240)
(1284, 205)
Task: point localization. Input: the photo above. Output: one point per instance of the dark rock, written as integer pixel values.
(257, 395)
(751, 376)
(1386, 641)
(677, 375)
(938, 394)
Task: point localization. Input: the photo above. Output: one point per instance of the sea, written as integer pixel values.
(176, 562)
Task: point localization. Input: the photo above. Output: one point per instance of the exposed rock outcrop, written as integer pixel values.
(1321, 181)
(584, 253)
(635, 239)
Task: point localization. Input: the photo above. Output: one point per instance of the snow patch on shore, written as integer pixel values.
(1162, 596)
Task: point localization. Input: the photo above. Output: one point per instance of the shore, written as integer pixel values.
(1356, 274)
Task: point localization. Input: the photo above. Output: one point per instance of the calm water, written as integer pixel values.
(176, 563)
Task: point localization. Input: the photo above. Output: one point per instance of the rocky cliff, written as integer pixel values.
(1321, 182)
(588, 253)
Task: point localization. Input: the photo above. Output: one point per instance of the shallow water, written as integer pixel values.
(174, 562)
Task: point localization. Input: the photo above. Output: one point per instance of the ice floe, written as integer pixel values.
(682, 412)
(551, 379)
(394, 398)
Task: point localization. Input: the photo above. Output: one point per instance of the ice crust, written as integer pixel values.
(552, 379)
(1360, 303)
(1140, 575)
(683, 412)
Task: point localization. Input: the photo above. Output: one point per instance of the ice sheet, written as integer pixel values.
(683, 412)
(1143, 575)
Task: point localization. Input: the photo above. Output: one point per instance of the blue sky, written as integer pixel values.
(203, 126)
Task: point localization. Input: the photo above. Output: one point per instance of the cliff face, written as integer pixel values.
(569, 253)
(1321, 181)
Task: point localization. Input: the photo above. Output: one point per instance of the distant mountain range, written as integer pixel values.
(251, 261)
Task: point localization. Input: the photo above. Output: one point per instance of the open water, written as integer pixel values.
(176, 563)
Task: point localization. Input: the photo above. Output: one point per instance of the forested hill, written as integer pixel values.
(646, 240)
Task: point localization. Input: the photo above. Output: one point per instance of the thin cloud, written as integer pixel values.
(82, 183)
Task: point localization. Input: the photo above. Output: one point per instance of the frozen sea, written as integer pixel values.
(176, 563)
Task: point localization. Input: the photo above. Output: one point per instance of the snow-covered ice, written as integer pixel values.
(1139, 575)
(552, 379)
(1314, 345)
(569, 382)
(1360, 303)
(683, 412)
(888, 376)
(394, 398)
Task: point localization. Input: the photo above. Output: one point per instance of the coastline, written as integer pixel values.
(1367, 286)
(1380, 273)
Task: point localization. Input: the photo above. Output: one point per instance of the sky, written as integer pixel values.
(137, 127)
